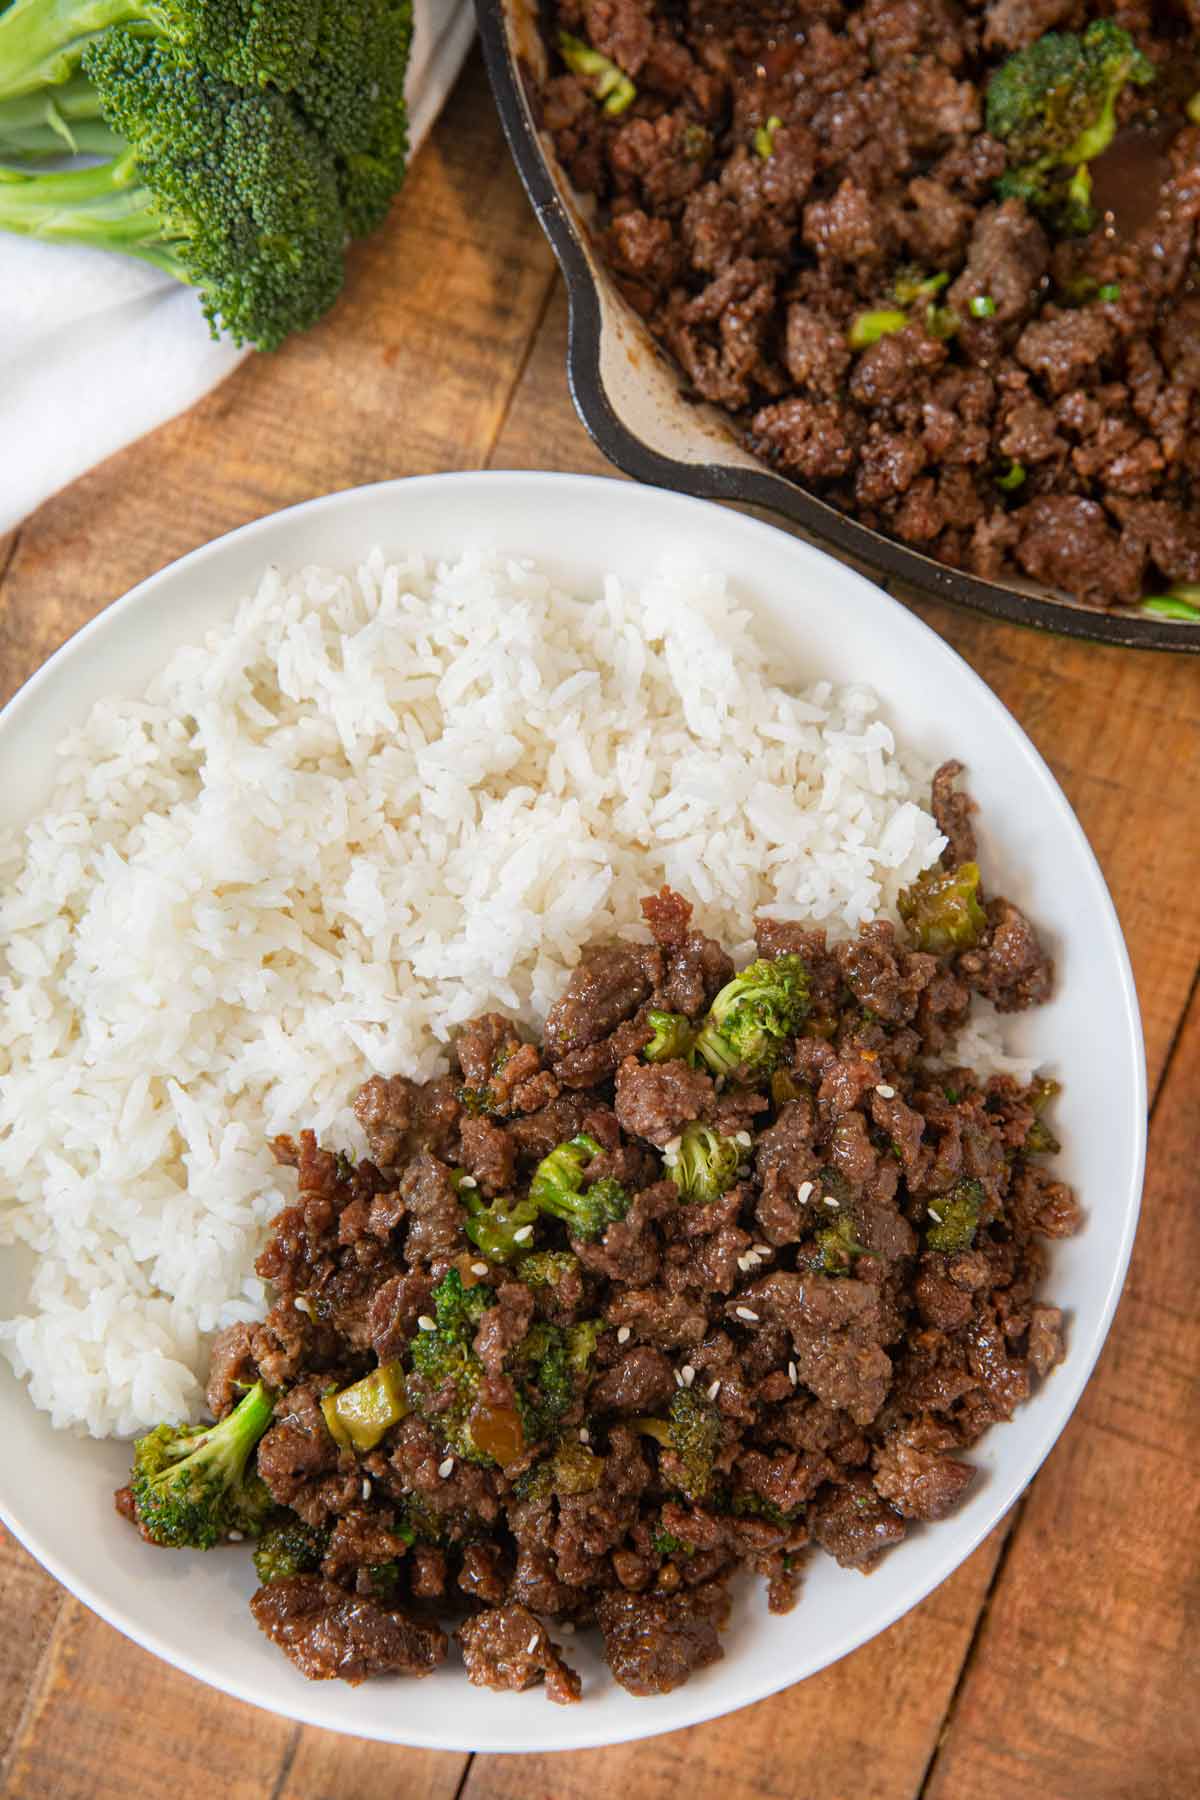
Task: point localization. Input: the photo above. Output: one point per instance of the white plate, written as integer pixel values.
(823, 621)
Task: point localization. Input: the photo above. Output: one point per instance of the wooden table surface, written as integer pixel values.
(1062, 1662)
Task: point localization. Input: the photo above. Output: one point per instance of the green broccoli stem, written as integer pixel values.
(64, 121)
(104, 206)
(41, 41)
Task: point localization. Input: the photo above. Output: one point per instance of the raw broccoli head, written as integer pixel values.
(752, 1016)
(352, 93)
(673, 1036)
(289, 1547)
(691, 1431)
(954, 1217)
(705, 1164)
(250, 42)
(942, 910)
(192, 1484)
(1053, 106)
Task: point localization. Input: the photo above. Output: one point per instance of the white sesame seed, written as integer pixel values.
(235, 1537)
(935, 1216)
(623, 1335)
(792, 1376)
(885, 1092)
(302, 1305)
(679, 1378)
(688, 1373)
(762, 1249)
(467, 1181)
(425, 1323)
(828, 1200)
(743, 1138)
(803, 1191)
(479, 1268)
(446, 1468)
(673, 1146)
(523, 1236)
(532, 1645)
(714, 1390)
(745, 1263)
(585, 1436)
(743, 1312)
(366, 1490)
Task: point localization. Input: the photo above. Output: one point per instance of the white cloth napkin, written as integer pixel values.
(98, 349)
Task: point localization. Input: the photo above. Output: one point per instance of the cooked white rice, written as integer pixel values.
(369, 809)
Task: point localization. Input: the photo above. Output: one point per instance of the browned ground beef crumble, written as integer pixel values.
(750, 270)
(844, 1398)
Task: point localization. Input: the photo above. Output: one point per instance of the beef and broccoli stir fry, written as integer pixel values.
(730, 1268)
(935, 257)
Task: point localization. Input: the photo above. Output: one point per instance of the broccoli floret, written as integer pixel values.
(955, 1217)
(1040, 1140)
(942, 910)
(1053, 106)
(550, 1365)
(752, 1015)
(444, 1364)
(225, 189)
(250, 42)
(560, 1188)
(704, 1165)
(289, 1547)
(192, 1484)
(692, 1432)
(610, 84)
(667, 1544)
(546, 1268)
(838, 1249)
(673, 1037)
(352, 93)
(504, 1230)
(359, 1416)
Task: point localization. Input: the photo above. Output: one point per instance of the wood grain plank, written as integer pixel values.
(30, 1596)
(1120, 729)
(1086, 1676)
(107, 1722)
(327, 1767)
(411, 372)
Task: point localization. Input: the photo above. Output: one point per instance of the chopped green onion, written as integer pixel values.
(764, 137)
(869, 327)
(1170, 606)
(983, 307)
(612, 85)
(1110, 291)
(907, 289)
(1012, 477)
(941, 321)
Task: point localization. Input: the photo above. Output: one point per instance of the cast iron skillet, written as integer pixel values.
(630, 396)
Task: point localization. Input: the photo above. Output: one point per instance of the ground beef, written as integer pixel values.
(327, 1632)
(781, 170)
(834, 1361)
(653, 1644)
(507, 1648)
